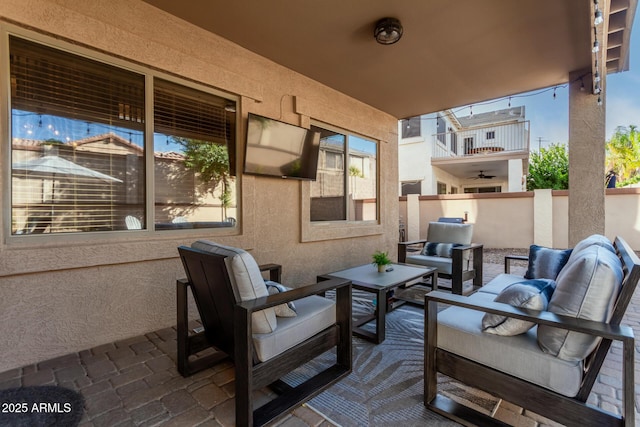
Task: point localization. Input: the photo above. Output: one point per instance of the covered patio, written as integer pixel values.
(94, 308)
(135, 382)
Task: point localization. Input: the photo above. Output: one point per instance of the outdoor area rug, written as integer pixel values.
(386, 385)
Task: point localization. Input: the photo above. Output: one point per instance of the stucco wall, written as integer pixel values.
(70, 293)
(507, 220)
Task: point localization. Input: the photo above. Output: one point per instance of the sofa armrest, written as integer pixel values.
(590, 327)
(402, 249)
(509, 258)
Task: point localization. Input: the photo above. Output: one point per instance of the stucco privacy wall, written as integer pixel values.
(67, 294)
(507, 220)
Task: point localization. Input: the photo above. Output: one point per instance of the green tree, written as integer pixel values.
(623, 154)
(549, 168)
(211, 162)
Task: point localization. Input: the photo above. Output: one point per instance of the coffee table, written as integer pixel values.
(366, 278)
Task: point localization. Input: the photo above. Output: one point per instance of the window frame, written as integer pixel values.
(149, 73)
(339, 229)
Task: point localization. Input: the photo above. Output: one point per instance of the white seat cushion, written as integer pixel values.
(314, 314)
(500, 282)
(460, 332)
(441, 263)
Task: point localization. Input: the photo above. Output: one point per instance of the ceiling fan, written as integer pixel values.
(481, 175)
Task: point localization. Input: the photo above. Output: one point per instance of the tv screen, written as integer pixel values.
(275, 148)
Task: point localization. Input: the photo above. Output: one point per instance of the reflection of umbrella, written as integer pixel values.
(54, 165)
(57, 167)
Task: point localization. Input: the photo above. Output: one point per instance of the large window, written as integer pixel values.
(194, 180)
(340, 193)
(79, 153)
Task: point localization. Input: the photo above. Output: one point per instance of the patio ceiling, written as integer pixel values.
(451, 53)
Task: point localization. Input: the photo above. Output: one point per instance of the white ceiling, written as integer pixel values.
(452, 52)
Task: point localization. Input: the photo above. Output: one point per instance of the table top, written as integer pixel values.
(368, 274)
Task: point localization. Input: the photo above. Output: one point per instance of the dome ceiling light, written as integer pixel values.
(388, 31)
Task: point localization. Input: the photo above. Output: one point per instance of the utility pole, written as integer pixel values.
(540, 140)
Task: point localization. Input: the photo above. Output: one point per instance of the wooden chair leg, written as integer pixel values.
(182, 327)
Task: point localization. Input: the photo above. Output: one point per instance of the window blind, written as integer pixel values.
(50, 81)
(189, 113)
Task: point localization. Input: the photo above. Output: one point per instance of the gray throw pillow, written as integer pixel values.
(283, 310)
(586, 288)
(546, 263)
(532, 294)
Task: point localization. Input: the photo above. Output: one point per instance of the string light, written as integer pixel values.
(597, 17)
(554, 92)
(596, 46)
(599, 100)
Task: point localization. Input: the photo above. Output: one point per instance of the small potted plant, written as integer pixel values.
(381, 259)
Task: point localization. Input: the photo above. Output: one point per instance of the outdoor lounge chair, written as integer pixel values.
(240, 320)
(448, 248)
(551, 367)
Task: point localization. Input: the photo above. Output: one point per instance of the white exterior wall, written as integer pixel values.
(414, 155)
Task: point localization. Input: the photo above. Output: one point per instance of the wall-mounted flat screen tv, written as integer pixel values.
(275, 148)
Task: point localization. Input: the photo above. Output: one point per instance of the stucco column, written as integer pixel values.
(515, 175)
(586, 158)
(543, 217)
(413, 217)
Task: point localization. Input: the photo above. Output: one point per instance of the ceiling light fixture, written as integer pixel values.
(388, 31)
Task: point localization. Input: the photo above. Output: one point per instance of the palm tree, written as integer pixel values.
(623, 152)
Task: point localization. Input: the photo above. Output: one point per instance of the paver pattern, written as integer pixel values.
(135, 382)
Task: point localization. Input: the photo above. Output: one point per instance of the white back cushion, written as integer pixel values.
(246, 278)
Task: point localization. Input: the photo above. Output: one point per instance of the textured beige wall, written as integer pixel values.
(507, 220)
(71, 293)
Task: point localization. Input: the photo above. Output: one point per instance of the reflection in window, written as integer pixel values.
(339, 194)
(77, 129)
(194, 172)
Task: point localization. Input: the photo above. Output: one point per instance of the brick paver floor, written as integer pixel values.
(135, 382)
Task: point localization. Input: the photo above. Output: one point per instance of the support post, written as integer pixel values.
(586, 158)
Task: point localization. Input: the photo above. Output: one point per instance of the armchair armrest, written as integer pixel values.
(275, 271)
(402, 249)
(460, 272)
(291, 295)
(509, 258)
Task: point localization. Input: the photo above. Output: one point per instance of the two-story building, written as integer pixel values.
(441, 153)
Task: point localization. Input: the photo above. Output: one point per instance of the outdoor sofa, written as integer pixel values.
(538, 341)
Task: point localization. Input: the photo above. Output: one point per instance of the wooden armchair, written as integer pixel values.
(565, 408)
(462, 264)
(234, 322)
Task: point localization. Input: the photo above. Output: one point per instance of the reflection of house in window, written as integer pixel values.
(333, 160)
(344, 192)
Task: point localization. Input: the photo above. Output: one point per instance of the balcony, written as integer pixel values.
(492, 140)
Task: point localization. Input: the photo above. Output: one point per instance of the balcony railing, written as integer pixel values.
(489, 140)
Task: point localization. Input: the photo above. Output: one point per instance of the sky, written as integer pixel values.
(549, 117)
